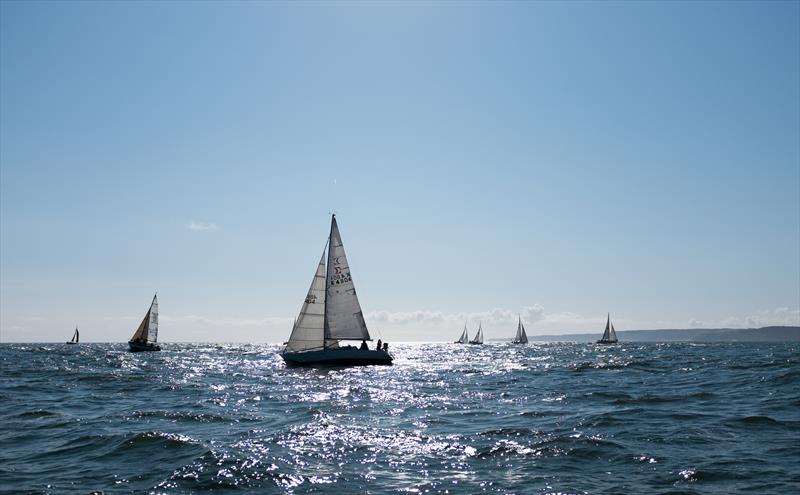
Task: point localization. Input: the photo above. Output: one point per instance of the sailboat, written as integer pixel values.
(75, 337)
(521, 337)
(609, 336)
(331, 313)
(146, 335)
(464, 339)
(478, 336)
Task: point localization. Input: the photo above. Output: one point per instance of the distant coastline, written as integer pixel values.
(763, 334)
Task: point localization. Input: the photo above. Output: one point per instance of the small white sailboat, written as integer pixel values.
(464, 339)
(609, 336)
(478, 335)
(75, 337)
(331, 313)
(521, 337)
(146, 335)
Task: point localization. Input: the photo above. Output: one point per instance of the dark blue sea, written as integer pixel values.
(544, 418)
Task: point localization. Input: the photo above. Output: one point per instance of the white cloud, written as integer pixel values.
(782, 316)
(201, 226)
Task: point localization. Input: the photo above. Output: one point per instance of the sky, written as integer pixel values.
(485, 160)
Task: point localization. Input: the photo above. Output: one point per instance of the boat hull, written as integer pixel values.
(337, 357)
(143, 347)
(71, 343)
(605, 342)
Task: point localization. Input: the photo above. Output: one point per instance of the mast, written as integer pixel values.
(325, 328)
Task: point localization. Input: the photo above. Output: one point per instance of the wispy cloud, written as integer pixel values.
(201, 226)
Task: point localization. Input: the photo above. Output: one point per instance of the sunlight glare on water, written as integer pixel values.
(497, 418)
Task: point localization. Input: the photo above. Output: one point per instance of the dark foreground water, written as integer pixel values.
(549, 418)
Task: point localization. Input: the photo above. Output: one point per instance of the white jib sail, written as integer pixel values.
(343, 317)
(152, 334)
(612, 335)
(307, 333)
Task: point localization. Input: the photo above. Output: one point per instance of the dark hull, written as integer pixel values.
(476, 343)
(71, 343)
(605, 342)
(337, 357)
(140, 347)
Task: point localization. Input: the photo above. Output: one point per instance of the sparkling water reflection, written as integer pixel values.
(498, 418)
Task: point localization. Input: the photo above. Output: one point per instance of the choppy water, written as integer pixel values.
(549, 418)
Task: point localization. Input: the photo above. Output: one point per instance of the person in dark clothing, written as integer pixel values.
(385, 347)
(364, 345)
(379, 345)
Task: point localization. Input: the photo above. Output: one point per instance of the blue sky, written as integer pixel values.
(558, 160)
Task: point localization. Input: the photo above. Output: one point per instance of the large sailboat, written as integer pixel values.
(146, 336)
(521, 337)
(464, 339)
(609, 336)
(331, 313)
(75, 337)
(478, 335)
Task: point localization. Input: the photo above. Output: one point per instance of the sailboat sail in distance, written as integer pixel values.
(75, 337)
(464, 339)
(478, 335)
(146, 335)
(521, 337)
(331, 313)
(609, 335)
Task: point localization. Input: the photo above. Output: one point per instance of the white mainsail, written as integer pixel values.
(521, 337)
(308, 330)
(343, 317)
(153, 327)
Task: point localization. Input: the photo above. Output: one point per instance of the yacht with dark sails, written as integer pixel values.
(75, 337)
(464, 339)
(330, 314)
(478, 340)
(145, 337)
(609, 335)
(521, 337)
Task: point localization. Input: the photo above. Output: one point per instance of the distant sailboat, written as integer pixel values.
(478, 336)
(609, 336)
(464, 339)
(146, 336)
(521, 337)
(330, 313)
(75, 337)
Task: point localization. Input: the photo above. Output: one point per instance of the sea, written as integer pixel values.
(549, 418)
